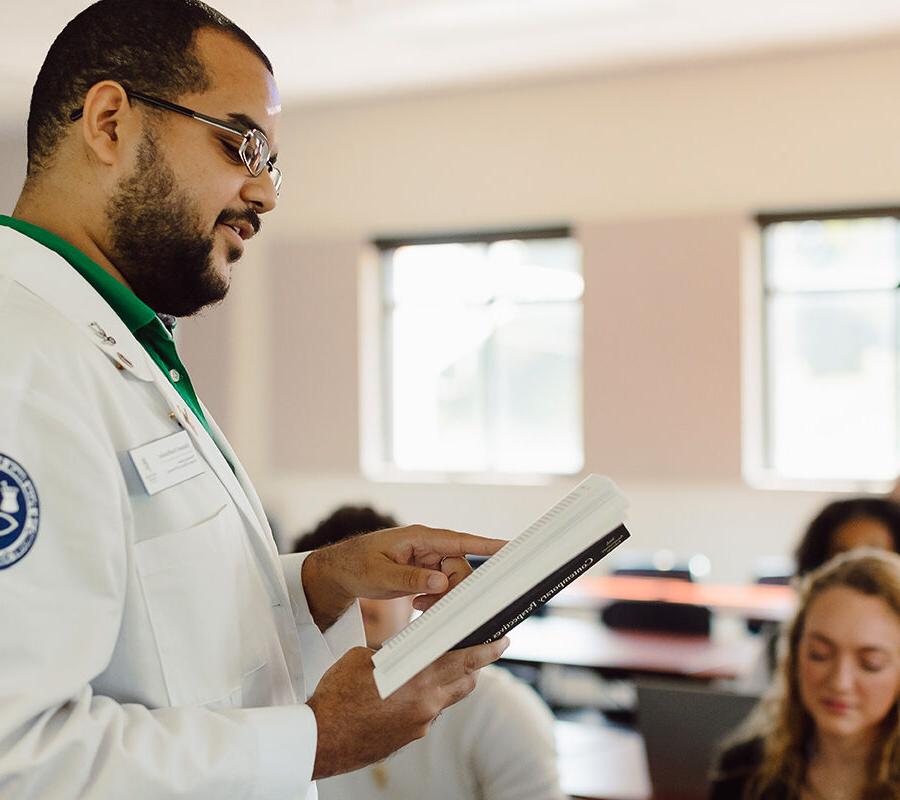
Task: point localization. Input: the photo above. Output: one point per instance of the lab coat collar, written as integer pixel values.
(49, 276)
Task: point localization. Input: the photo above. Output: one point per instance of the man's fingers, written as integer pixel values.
(401, 579)
(425, 601)
(458, 663)
(459, 689)
(456, 568)
(452, 543)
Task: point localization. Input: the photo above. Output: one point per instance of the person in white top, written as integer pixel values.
(496, 744)
(153, 644)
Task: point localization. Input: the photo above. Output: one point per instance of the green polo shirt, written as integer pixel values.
(141, 320)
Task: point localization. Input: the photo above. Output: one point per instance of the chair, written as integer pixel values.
(655, 615)
(659, 617)
(775, 579)
(680, 573)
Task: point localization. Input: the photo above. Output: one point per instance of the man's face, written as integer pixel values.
(171, 219)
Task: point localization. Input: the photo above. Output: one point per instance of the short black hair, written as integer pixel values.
(815, 546)
(347, 521)
(147, 45)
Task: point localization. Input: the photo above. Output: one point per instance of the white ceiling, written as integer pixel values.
(326, 50)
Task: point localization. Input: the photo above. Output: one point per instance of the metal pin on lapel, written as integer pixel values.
(187, 418)
(107, 339)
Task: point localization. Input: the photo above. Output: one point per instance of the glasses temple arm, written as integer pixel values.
(165, 104)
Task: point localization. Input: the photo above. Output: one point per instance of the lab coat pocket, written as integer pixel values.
(197, 589)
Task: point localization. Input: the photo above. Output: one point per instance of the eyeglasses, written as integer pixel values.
(253, 150)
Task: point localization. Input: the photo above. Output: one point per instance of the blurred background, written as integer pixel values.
(523, 240)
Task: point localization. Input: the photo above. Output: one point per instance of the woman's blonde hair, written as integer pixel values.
(785, 724)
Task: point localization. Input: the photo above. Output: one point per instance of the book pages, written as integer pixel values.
(582, 527)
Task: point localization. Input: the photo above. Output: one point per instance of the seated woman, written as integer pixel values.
(829, 730)
(845, 525)
(496, 744)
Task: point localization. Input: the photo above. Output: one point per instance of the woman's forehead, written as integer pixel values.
(849, 617)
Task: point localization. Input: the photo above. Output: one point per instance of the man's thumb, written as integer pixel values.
(416, 580)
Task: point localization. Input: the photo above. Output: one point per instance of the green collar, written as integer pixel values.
(133, 311)
(141, 320)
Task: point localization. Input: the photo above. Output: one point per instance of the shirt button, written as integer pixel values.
(175, 375)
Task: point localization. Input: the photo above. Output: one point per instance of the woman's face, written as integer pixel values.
(848, 662)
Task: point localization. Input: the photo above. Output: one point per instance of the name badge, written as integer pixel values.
(167, 462)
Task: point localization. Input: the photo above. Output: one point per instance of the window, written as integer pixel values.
(830, 345)
(481, 354)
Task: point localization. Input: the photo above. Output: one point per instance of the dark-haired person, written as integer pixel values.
(845, 525)
(496, 744)
(152, 642)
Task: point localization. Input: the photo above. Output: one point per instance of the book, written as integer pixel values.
(510, 586)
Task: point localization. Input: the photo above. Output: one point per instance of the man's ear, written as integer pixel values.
(107, 118)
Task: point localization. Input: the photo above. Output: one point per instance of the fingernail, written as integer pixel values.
(435, 581)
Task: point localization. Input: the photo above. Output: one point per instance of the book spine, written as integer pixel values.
(524, 606)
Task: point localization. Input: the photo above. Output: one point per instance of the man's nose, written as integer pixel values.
(259, 192)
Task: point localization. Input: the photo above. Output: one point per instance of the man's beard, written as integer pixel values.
(157, 241)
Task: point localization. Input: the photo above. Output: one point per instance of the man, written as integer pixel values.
(497, 744)
(153, 644)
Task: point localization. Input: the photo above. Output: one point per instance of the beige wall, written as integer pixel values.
(12, 164)
(660, 173)
(312, 298)
(662, 348)
(809, 129)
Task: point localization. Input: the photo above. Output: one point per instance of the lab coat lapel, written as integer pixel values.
(207, 448)
(265, 539)
(260, 535)
(241, 474)
(49, 276)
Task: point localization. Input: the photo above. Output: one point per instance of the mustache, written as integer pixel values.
(248, 215)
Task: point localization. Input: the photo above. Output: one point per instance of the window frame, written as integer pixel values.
(756, 417)
(376, 442)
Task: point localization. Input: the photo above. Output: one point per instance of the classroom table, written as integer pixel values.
(588, 643)
(598, 762)
(756, 601)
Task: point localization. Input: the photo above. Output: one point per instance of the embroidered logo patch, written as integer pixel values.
(20, 513)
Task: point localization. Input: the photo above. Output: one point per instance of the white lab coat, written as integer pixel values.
(150, 646)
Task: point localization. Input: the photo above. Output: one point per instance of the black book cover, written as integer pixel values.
(525, 605)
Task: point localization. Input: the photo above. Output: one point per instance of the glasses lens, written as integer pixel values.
(275, 175)
(255, 152)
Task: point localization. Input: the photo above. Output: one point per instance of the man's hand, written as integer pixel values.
(356, 727)
(389, 563)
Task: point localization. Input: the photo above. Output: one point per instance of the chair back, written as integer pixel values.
(658, 617)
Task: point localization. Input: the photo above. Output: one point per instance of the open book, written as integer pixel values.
(511, 585)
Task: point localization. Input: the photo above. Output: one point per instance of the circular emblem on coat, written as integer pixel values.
(20, 513)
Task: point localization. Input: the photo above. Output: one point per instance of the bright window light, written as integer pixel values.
(831, 347)
(482, 356)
